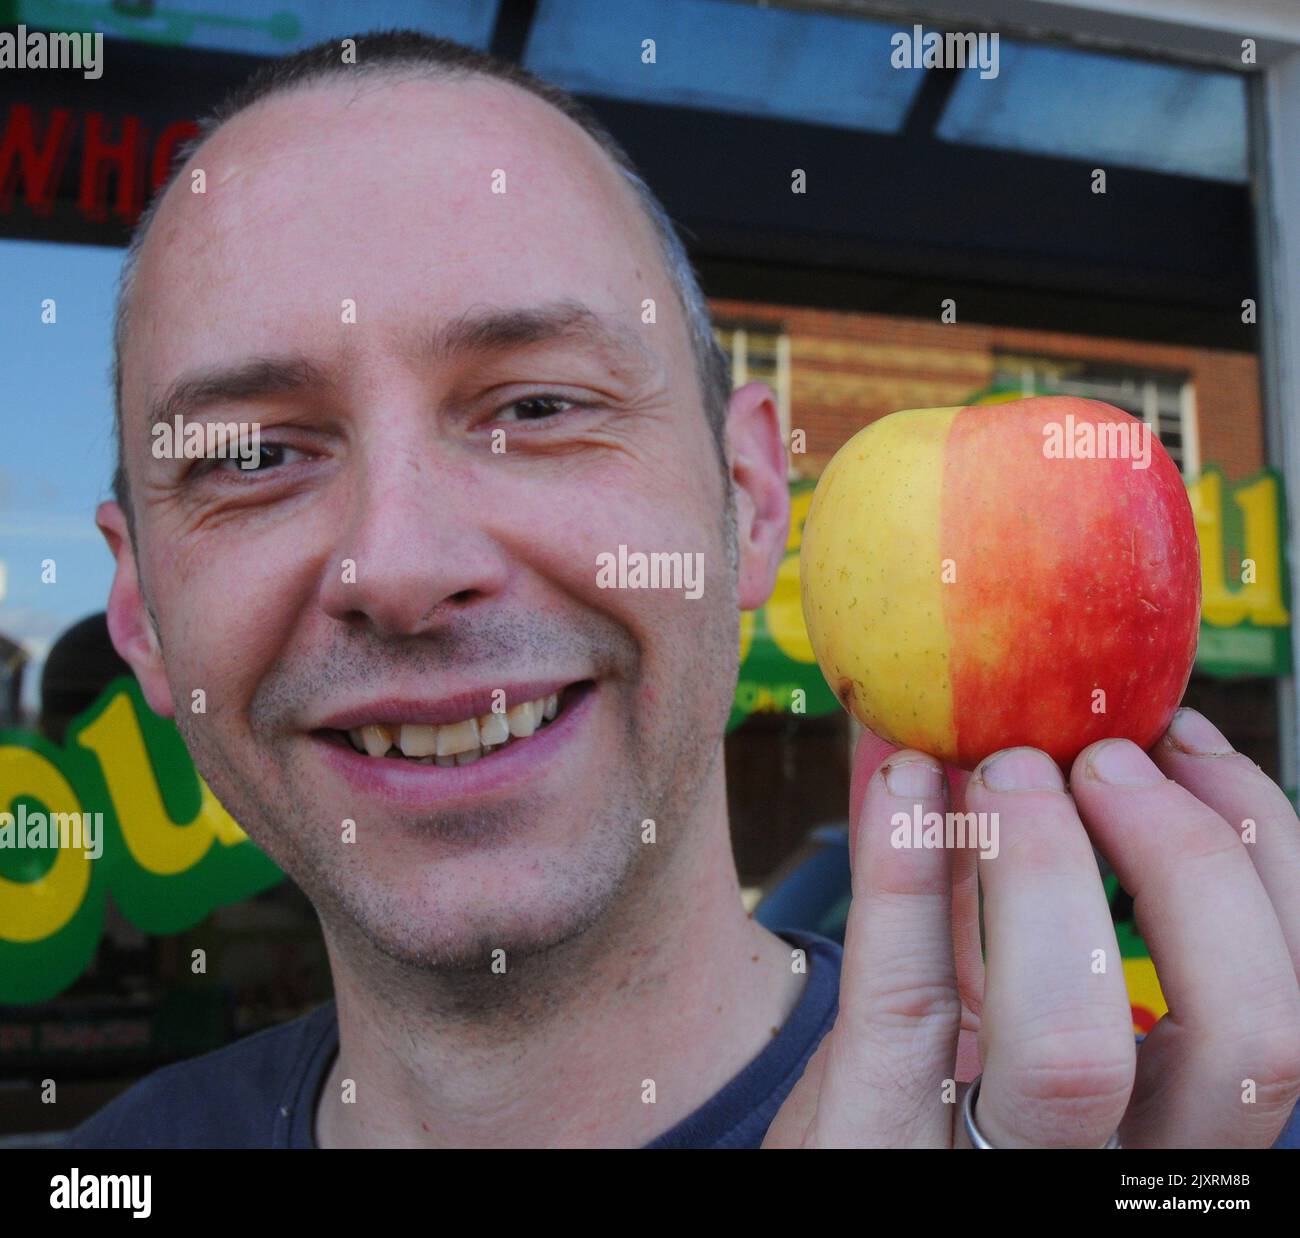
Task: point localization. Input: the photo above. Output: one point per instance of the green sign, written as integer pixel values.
(1241, 528)
(118, 809)
(778, 672)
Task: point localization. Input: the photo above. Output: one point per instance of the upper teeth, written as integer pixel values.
(456, 743)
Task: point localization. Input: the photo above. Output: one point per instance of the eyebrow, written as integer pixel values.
(260, 378)
(474, 332)
(556, 321)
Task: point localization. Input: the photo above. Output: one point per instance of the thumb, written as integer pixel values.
(868, 756)
(870, 752)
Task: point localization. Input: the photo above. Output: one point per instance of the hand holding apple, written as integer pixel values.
(975, 583)
(921, 1013)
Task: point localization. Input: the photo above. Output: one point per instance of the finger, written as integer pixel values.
(1221, 1069)
(1196, 756)
(868, 756)
(871, 751)
(1056, 1028)
(895, 1037)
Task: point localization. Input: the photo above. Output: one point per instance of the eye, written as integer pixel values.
(269, 456)
(536, 408)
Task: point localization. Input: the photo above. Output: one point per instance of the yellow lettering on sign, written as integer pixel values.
(155, 842)
(1219, 606)
(33, 910)
(1261, 602)
(799, 505)
(213, 816)
(785, 614)
(784, 610)
(746, 633)
(1258, 503)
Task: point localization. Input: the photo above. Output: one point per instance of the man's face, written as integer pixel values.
(421, 540)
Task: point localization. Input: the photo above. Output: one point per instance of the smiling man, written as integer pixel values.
(479, 366)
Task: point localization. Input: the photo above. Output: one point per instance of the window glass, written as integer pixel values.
(1081, 105)
(55, 334)
(726, 57)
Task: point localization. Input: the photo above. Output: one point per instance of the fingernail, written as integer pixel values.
(914, 778)
(1195, 733)
(1021, 769)
(1122, 763)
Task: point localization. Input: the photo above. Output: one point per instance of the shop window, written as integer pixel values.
(1165, 401)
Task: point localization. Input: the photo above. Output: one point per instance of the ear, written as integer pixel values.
(129, 625)
(762, 494)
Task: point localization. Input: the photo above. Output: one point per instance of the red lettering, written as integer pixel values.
(99, 160)
(38, 169)
(33, 152)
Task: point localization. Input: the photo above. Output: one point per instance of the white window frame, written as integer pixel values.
(1035, 376)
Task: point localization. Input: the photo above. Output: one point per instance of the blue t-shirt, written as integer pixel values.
(261, 1091)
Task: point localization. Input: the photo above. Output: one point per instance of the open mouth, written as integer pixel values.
(462, 742)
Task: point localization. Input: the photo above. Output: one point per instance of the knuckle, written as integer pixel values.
(1079, 1083)
(1066, 1088)
(1269, 822)
(900, 878)
(1067, 1104)
(1272, 1059)
(1204, 835)
(915, 1005)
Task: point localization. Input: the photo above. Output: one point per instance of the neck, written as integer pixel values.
(676, 985)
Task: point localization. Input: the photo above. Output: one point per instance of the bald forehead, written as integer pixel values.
(462, 180)
(325, 119)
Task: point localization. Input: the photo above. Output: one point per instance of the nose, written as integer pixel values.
(414, 549)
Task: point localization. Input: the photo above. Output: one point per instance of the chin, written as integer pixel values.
(456, 913)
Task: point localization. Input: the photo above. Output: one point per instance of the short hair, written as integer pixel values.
(390, 52)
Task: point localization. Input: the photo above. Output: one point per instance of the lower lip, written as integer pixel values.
(407, 784)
